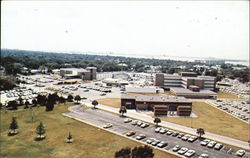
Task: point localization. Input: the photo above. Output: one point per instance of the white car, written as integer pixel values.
(240, 153)
(192, 138)
(189, 153)
(157, 130)
(211, 144)
(162, 131)
(203, 156)
(176, 148)
(150, 140)
(218, 146)
(126, 120)
(108, 125)
(205, 142)
(183, 150)
(186, 137)
(162, 144)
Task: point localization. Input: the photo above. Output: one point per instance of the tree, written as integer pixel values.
(62, 99)
(142, 152)
(13, 126)
(40, 131)
(77, 98)
(122, 110)
(49, 106)
(200, 132)
(69, 138)
(123, 153)
(41, 99)
(70, 98)
(157, 121)
(20, 99)
(13, 105)
(34, 102)
(26, 104)
(95, 103)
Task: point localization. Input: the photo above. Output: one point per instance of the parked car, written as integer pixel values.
(175, 134)
(155, 142)
(189, 153)
(211, 144)
(150, 140)
(204, 142)
(108, 125)
(183, 150)
(180, 135)
(240, 152)
(162, 144)
(169, 132)
(204, 156)
(163, 131)
(126, 120)
(218, 146)
(140, 136)
(139, 123)
(130, 133)
(192, 139)
(176, 148)
(157, 130)
(134, 122)
(185, 137)
(144, 125)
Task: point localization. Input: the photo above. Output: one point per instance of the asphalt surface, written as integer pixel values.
(100, 117)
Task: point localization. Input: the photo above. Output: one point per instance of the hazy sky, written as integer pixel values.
(176, 28)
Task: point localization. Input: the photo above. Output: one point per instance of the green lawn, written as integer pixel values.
(213, 120)
(89, 141)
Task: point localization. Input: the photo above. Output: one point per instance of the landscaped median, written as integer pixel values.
(89, 141)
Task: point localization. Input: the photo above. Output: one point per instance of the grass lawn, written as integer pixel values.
(215, 121)
(113, 102)
(221, 94)
(89, 141)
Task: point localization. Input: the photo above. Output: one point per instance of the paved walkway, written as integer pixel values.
(146, 118)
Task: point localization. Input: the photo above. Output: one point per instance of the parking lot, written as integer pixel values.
(100, 118)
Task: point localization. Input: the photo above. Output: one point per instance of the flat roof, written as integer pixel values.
(146, 98)
(184, 91)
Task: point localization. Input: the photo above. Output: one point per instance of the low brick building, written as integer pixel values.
(145, 102)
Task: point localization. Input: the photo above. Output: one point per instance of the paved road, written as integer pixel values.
(100, 117)
(143, 116)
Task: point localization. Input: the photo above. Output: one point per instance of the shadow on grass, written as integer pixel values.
(40, 138)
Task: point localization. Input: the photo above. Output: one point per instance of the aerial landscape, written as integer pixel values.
(125, 79)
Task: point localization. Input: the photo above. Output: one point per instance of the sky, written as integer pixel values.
(217, 29)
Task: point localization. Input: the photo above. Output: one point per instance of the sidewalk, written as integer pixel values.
(146, 118)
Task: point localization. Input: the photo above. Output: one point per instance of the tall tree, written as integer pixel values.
(122, 110)
(40, 130)
(200, 132)
(69, 138)
(123, 153)
(13, 105)
(95, 103)
(34, 102)
(70, 98)
(49, 106)
(13, 126)
(26, 104)
(157, 121)
(77, 98)
(20, 99)
(142, 152)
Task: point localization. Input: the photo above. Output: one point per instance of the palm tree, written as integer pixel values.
(157, 121)
(95, 103)
(200, 131)
(122, 110)
(77, 98)
(34, 102)
(26, 104)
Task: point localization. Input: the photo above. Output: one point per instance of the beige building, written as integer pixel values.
(86, 74)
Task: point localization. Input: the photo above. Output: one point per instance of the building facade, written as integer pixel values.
(86, 74)
(185, 80)
(154, 103)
